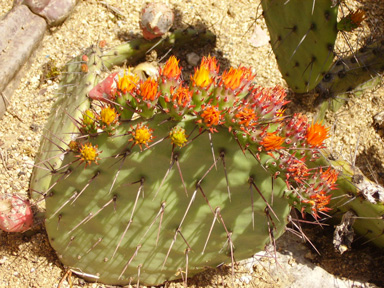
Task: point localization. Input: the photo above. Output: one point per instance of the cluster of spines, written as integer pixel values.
(254, 115)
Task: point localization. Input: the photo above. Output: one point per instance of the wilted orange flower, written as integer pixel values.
(201, 77)
(329, 176)
(272, 142)
(171, 68)
(320, 201)
(351, 21)
(148, 90)
(357, 17)
(316, 134)
(127, 82)
(88, 153)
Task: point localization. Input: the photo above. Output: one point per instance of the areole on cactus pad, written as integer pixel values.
(165, 178)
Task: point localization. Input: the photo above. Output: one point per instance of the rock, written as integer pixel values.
(155, 20)
(53, 11)
(21, 32)
(193, 59)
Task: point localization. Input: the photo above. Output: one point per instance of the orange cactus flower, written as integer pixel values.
(141, 135)
(88, 154)
(316, 134)
(211, 116)
(246, 116)
(182, 97)
(149, 90)
(272, 142)
(128, 82)
(171, 69)
(210, 63)
(233, 78)
(201, 77)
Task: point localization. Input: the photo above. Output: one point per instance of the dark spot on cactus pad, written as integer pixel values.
(377, 51)
(313, 26)
(353, 60)
(294, 28)
(330, 47)
(297, 64)
(286, 74)
(306, 83)
(339, 62)
(363, 49)
(341, 74)
(365, 68)
(349, 89)
(327, 15)
(327, 77)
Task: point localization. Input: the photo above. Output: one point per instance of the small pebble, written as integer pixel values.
(193, 59)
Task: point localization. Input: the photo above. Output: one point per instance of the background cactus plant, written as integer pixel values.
(303, 45)
(289, 36)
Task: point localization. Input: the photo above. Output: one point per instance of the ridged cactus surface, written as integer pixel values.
(156, 213)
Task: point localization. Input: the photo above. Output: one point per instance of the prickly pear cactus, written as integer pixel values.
(303, 35)
(81, 75)
(165, 178)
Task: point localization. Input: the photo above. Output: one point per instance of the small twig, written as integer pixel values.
(114, 10)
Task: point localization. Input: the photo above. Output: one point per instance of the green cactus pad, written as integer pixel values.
(77, 82)
(303, 35)
(130, 237)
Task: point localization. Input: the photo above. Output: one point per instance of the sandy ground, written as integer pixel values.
(27, 260)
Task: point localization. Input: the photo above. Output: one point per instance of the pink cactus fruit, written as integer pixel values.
(156, 20)
(104, 90)
(15, 214)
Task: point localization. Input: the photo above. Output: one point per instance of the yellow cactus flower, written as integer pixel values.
(201, 78)
(177, 136)
(128, 82)
(108, 115)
